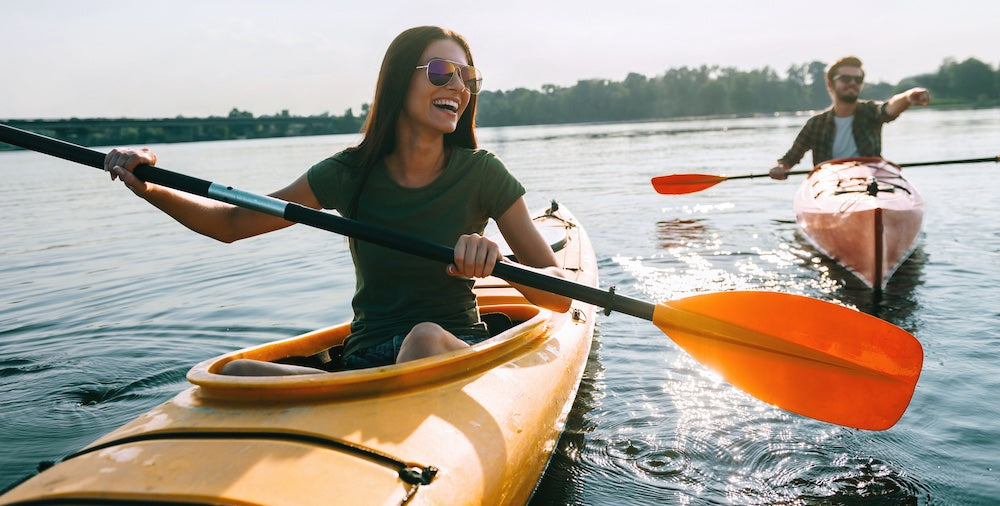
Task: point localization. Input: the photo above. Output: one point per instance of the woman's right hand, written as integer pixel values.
(120, 162)
(475, 257)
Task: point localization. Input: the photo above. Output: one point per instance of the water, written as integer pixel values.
(106, 303)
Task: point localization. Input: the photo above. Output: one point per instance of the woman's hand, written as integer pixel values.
(475, 257)
(120, 163)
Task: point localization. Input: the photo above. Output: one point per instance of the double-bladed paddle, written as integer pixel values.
(679, 184)
(807, 356)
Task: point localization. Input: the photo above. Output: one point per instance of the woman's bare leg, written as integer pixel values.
(247, 367)
(427, 339)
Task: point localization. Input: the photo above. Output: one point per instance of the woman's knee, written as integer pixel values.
(426, 331)
(426, 339)
(240, 367)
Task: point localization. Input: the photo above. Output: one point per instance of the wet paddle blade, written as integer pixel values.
(679, 184)
(804, 355)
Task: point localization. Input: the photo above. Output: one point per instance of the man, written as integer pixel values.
(850, 127)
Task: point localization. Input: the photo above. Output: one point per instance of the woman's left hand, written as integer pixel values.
(475, 257)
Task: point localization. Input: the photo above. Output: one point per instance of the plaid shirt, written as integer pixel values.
(819, 130)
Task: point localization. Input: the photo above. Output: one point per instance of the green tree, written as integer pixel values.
(971, 80)
(236, 113)
(819, 97)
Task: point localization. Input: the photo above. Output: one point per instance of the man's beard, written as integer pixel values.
(847, 99)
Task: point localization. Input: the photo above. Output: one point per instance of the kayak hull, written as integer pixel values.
(474, 426)
(861, 213)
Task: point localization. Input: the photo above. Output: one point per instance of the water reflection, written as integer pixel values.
(566, 472)
(696, 257)
(608, 131)
(898, 303)
(678, 233)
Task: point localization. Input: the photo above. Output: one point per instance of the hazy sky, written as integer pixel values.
(199, 58)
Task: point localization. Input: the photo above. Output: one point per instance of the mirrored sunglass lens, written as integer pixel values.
(439, 72)
(472, 78)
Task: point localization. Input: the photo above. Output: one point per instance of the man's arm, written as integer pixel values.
(803, 142)
(901, 102)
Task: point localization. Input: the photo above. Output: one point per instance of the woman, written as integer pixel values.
(416, 170)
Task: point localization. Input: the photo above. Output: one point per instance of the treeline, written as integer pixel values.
(714, 90)
(681, 92)
(969, 82)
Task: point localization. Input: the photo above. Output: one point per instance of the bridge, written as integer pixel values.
(125, 131)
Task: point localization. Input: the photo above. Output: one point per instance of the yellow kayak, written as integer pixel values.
(474, 426)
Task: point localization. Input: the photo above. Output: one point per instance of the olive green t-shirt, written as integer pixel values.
(396, 290)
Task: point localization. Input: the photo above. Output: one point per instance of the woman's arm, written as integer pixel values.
(532, 250)
(218, 220)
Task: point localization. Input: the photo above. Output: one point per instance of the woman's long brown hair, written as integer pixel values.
(379, 128)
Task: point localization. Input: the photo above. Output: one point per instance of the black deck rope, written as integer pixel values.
(551, 213)
(105, 501)
(411, 473)
(864, 186)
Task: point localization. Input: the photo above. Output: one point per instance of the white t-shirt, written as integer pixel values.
(843, 140)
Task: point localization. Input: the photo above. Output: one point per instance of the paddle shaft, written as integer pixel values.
(307, 216)
(914, 164)
(952, 162)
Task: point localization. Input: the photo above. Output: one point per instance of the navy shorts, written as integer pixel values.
(386, 353)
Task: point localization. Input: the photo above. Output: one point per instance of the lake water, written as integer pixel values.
(106, 304)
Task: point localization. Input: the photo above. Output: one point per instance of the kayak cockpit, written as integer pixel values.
(533, 325)
(530, 329)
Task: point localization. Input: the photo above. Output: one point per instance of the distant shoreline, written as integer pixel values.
(133, 131)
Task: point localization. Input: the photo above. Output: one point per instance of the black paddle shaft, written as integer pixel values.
(994, 159)
(319, 219)
(911, 164)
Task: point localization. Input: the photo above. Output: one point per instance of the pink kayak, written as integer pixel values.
(862, 213)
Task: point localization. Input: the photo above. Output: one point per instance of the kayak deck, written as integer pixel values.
(472, 426)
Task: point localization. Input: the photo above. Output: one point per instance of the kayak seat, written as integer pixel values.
(327, 360)
(496, 322)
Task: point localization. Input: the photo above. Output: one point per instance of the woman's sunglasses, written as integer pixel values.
(844, 78)
(441, 72)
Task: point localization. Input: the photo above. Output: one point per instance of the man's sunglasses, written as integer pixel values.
(441, 72)
(844, 78)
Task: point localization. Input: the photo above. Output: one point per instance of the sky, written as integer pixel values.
(197, 58)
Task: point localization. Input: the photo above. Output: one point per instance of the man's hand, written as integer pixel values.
(779, 172)
(918, 96)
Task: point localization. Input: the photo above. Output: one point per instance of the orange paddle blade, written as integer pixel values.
(679, 184)
(807, 356)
